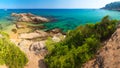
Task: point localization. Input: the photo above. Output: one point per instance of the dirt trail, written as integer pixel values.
(3, 66)
(33, 59)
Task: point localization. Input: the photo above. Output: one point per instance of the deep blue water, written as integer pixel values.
(65, 19)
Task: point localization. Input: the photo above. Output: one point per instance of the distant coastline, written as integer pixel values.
(112, 6)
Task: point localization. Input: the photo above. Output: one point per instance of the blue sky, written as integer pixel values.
(54, 3)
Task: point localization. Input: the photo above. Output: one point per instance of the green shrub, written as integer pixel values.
(10, 54)
(80, 45)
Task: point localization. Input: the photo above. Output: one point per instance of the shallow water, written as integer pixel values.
(65, 19)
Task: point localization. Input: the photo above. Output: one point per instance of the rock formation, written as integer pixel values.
(56, 30)
(38, 48)
(34, 35)
(28, 17)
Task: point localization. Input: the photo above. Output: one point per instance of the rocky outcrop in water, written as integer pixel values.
(109, 55)
(28, 17)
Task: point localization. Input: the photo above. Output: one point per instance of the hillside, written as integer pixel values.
(108, 56)
(113, 6)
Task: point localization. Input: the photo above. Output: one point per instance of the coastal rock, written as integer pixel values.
(28, 17)
(14, 30)
(24, 19)
(56, 39)
(39, 19)
(55, 31)
(42, 33)
(18, 26)
(38, 48)
(29, 35)
(15, 14)
(33, 35)
(37, 27)
(25, 44)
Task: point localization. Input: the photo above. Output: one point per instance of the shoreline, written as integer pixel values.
(26, 38)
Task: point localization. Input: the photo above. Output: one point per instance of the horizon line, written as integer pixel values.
(49, 8)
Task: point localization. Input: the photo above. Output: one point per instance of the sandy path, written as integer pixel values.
(33, 59)
(3, 66)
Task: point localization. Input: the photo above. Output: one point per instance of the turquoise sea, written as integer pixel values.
(65, 19)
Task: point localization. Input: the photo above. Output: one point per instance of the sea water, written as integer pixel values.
(65, 19)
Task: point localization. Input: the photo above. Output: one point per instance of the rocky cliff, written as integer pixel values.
(109, 55)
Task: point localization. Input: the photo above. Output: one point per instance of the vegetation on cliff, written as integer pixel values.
(10, 54)
(113, 6)
(80, 45)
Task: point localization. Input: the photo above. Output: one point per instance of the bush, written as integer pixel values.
(10, 54)
(80, 45)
